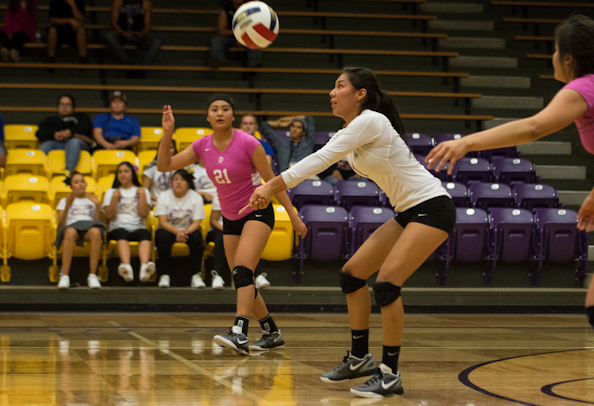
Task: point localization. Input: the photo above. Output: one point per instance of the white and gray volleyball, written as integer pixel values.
(255, 25)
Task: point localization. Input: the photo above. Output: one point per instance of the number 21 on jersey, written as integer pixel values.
(221, 176)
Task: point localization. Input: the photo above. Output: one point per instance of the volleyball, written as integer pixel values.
(255, 25)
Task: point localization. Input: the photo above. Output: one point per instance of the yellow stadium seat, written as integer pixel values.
(25, 187)
(4, 268)
(149, 138)
(280, 243)
(30, 234)
(144, 158)
(20, 136)
(59, 190)
(104, 184)
(258, 135)
(107, 161)
(57, 163)
(32, 161)
(186, 136)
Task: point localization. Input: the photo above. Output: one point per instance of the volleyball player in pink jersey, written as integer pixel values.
(235, 162)
(573, 62)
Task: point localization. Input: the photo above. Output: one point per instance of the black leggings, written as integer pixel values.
(17, 40)
(164, 240)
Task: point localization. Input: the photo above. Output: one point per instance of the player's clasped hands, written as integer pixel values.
(259, 200)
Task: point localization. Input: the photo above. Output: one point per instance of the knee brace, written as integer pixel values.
(590, 313)
(242, 277)
(385, 293)
(349, 283)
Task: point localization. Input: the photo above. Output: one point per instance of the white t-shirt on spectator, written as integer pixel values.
(127, 216)
(80, 210)
(161, 180)
(202, 182)
(180, 212)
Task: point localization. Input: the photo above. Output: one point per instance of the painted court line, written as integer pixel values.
(195, 367)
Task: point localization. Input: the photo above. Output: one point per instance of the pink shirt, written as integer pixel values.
(231, 170)
(21, 21)
(585, 124)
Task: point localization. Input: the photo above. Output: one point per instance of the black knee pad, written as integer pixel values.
(242, 277)
(385, 293)
(349, 283)
(590, 313)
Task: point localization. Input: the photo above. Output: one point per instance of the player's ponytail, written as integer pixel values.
(376, 99)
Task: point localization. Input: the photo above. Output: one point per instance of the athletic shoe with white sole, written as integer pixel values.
(93, 281)
(164, 281)
(262, 282)
(197, 282)
(351, 368)
(383, 383)
(64, 282)
(234, 340)
(146, 271)
(268, 341)
(126, 272)
(217, 281)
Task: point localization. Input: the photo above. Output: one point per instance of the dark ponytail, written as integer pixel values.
(376, 99)
(575, 37)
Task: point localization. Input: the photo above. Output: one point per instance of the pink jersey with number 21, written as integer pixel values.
(231, 171)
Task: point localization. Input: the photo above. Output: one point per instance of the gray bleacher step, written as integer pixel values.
(498, 121)
(515, 82)
(452, 8)
(573, 197)
(483, 62)
(545, 148)
(461, 25)
(561, 172)
(472, 42)
(508, 102)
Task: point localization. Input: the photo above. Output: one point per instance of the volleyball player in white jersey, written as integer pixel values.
(374, 143)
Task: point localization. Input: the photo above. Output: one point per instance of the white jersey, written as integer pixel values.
(80, 210)
(374, 150)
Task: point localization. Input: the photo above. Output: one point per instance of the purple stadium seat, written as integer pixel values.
(384, 200)
(348, 193)
(312, 192)
(442, 175)
(531, 195)
(513, 170)
(441, 137)
(363, 221)
(283, 133)
(512, 237)
(469, 238)
(419, 143)
(321, 138)
(469, 170)
(459, 193)
(560, 240)
(486, 195)
(506, 152)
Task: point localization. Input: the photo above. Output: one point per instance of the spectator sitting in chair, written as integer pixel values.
(291, 150)
(68, 131)
(67, 26)
(249, 124)
(20, 25)
(116, 129)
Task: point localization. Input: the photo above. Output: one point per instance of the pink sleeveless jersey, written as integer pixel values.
(585, 124)
(231, 171)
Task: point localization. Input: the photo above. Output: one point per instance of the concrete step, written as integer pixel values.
(452, 8)
(511, 82)
(508, 102)
(484, 62)
(461, 25)
(498, 121)
(545, 148)
(472, 42)
(573, 197)
(560, 172)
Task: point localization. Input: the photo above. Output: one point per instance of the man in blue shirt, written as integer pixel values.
(249, 124)
(116, 129)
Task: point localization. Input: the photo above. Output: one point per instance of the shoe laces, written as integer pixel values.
(379, 375)
(344, 361)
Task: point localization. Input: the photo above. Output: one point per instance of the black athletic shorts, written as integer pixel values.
(438, 212)
(234, 227)
(142, 234)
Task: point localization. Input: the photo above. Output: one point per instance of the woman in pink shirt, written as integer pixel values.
(235, 162)
(20, 25)
(573, 62)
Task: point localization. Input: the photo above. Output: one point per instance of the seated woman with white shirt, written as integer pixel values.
(126, 206)
(180, 211)
(79, 217)
(155, 181)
